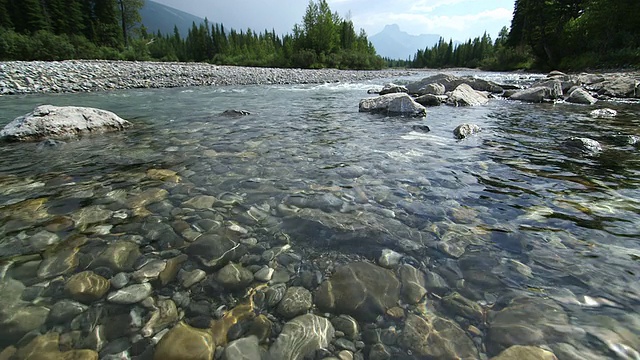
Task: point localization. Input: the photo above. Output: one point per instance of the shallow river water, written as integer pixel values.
(516, 239)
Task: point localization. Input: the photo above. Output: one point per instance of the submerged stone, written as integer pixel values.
(361, 289)
(437, 338)
(518, 352)
(301, 336)
(87, 286)
(185, 342)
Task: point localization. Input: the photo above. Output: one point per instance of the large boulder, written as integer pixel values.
(393, 104)
(583, 144)
(533, 94)
(48, 121)
(581, 96)
(621, 87)
(450, 82)
(554, 86)
(360, 289)
(464, 95)
(465, 130)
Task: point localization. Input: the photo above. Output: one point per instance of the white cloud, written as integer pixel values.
(431, 5)
(448, 26)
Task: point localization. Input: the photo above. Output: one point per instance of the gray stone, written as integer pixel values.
(431, 100)
(48, 121)
(234, 276)
(465, 130)
(301, 336)
(347, 324)
(553, 86)
(190, 278)
(360, 289)
(185, 342)
(296, 301)
(379, 351)
(243, 349)
(264, 274)
(393, 104)
(433, 89)
(581, 96)
(533, 94)
(64, 311)
(59, 263)
(215, 251)
(464, 95)
(131, 294)
(120, 280)
(149, 271)
(393, 89)
(621, 87)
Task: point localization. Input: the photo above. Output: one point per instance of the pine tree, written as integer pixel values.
(129, 15)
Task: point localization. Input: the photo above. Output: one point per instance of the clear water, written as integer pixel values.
(513, 194)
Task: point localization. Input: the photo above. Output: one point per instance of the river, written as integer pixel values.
(506, 217)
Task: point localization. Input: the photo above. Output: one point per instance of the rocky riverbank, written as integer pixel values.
(18, 77)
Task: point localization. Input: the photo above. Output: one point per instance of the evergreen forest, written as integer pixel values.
(109, 29)
(544, 34)
(549, 34)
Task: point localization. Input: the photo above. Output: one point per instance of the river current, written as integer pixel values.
(505, 215)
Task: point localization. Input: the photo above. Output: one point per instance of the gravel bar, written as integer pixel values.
(20, 77)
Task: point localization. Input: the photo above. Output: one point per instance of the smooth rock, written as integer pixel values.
(347, 324)
(190, 278)
(464, 95)
(234, 276)
(64, 311)
(392, 89)
(621, 87)
(581, 96)
(48, 121)
(534, 94)
(393, 104)
(87, 286)
(185, 342)
(131, 294)
(465, 130)
(296, 301)
(300, 337)
(215, 251)
(17, 321)
(360, 289)
(165, 314)
(431, 100)
(58, 263)
(264, 274)
(119, 256)
(243, 349)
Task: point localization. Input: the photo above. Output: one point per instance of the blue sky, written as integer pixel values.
(457, 19)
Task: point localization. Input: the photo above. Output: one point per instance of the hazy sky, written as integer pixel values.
(457, 19)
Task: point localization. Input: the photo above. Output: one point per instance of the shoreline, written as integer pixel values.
(75, 76)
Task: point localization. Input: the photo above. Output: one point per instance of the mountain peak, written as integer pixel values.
(394, 43)
(391, 28)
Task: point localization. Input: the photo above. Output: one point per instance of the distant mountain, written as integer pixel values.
(156, 17)
(394, 43)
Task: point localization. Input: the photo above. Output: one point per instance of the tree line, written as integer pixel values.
(109, 29)
(550, 34)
